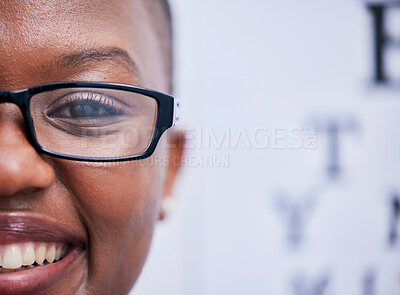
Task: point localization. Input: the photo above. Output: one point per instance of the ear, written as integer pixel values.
(176, 143)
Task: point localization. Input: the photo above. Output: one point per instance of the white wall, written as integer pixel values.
(258, 70)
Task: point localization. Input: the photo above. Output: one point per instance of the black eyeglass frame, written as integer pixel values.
(166, 113)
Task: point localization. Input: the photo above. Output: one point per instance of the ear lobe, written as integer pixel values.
(176, 143)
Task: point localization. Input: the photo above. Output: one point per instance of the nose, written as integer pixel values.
(21, 166)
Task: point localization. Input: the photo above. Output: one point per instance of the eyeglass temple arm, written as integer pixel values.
(176, 112)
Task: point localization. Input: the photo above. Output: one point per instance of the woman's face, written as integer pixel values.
(105, 211)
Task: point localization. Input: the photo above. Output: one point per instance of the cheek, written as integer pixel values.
(118, 206)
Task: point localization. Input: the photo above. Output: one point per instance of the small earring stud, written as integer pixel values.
(167, 206)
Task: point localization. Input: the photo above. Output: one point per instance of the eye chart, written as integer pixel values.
(292, 172)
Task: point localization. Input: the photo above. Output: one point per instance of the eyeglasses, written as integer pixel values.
(92, 121)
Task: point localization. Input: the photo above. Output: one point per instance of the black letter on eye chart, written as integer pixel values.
(368, 282)
(334, 127)
(381, 39)
(306, 286)
(394, 220)
(295, 214)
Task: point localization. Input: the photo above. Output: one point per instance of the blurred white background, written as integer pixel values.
(291, 180)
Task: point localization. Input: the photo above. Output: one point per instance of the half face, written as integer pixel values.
(77, 227)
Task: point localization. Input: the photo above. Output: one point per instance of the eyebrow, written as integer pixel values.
(91, 56)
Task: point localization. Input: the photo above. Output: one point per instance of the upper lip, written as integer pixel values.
(16, 227)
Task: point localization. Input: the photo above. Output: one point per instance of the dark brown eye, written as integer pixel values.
(85, 105)
(86, 110)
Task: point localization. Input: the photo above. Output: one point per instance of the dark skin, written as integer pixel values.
(112, 206)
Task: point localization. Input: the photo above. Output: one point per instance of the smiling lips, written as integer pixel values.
(35, 252)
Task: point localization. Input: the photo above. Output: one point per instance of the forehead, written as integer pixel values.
(59, 17)
(33, 34)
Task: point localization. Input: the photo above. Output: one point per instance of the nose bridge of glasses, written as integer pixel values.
(5, 96)
(16, 97)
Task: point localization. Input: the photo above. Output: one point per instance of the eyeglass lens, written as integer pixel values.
(92, 122)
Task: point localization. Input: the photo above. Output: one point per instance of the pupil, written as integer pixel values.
(82, 110)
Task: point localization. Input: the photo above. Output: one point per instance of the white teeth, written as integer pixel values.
(40, 253)
(51, 253)
(28, 256)
(12, 257)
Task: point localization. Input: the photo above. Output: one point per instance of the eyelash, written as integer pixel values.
(95, 99)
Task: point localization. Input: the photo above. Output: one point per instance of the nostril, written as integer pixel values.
(31, 190)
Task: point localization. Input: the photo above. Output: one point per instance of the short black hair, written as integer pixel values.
(161, 10)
